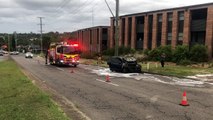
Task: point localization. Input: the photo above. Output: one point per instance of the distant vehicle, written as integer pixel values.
(124, 64)
(14, 53)
(28, 55)
(5, 52)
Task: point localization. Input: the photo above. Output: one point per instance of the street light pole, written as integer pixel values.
(116, 28)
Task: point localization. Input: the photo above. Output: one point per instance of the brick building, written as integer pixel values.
(94, 39)
(177, 26)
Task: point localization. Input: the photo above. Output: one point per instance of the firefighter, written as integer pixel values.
(99, 59)
(162, 59)
(46, 55)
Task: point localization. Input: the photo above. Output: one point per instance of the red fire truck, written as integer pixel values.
(64, 53)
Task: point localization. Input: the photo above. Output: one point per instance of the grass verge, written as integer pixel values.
(174, 70)
(21, 100)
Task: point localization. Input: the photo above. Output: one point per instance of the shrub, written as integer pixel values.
(167, 50)
(181, 52)
(142, 58)
(198, 53)
(139, 51)
(156, 53)
(132, 51)
(146, 52)
(88, 55)
(121, 50)
(109, 52)
(184, 62)
(126, 50)
(105, 58)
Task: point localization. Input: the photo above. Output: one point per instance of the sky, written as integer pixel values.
(70, 15)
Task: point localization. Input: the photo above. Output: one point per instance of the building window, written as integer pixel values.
(130, 31)
(181, 15)
(159, 30)
(169, 16)
(169, 36)
(160, 18)
(150, 19)
(180, 36)
(98, 39)
(91, 37)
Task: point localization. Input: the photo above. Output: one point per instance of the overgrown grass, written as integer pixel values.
(21, 100)
(173, 70)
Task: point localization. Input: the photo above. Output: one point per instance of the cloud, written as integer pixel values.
(68, 15)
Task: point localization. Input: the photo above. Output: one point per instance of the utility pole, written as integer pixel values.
(8, 40)
(41, 32)
(15, 36)
(116, 28)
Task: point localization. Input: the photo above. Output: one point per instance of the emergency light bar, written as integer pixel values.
(75, 45)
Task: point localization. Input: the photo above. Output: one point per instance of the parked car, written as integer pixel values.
(28, 55)
(124, 64)
(14, 53)
(1, 52)
(5, 52)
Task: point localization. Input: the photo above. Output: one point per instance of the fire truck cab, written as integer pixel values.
(64, 54)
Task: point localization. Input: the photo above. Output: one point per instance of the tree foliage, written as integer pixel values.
(181, 52)
(198, 53)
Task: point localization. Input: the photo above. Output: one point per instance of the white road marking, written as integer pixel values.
(59, 69)
(107, 82)
(149, 117)
(209, 83)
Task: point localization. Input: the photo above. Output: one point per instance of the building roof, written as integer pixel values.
(170, 9)
(95, 27)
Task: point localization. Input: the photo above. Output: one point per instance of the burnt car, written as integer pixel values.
(124, 64)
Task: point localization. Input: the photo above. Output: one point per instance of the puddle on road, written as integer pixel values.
(148, 77)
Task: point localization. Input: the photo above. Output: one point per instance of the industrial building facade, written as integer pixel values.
(92, 40)
(178, 26)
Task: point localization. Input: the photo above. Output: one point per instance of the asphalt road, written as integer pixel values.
(124, 98)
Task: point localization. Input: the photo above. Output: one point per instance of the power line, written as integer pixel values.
(79, 9)
(62, 5)
(109, 8)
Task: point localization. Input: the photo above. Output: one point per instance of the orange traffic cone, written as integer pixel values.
(184, 100)
(71, 71)
(107, 78)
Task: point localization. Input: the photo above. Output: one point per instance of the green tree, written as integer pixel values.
(13, 43)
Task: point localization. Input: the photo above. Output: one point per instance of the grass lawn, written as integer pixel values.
(21, 100)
